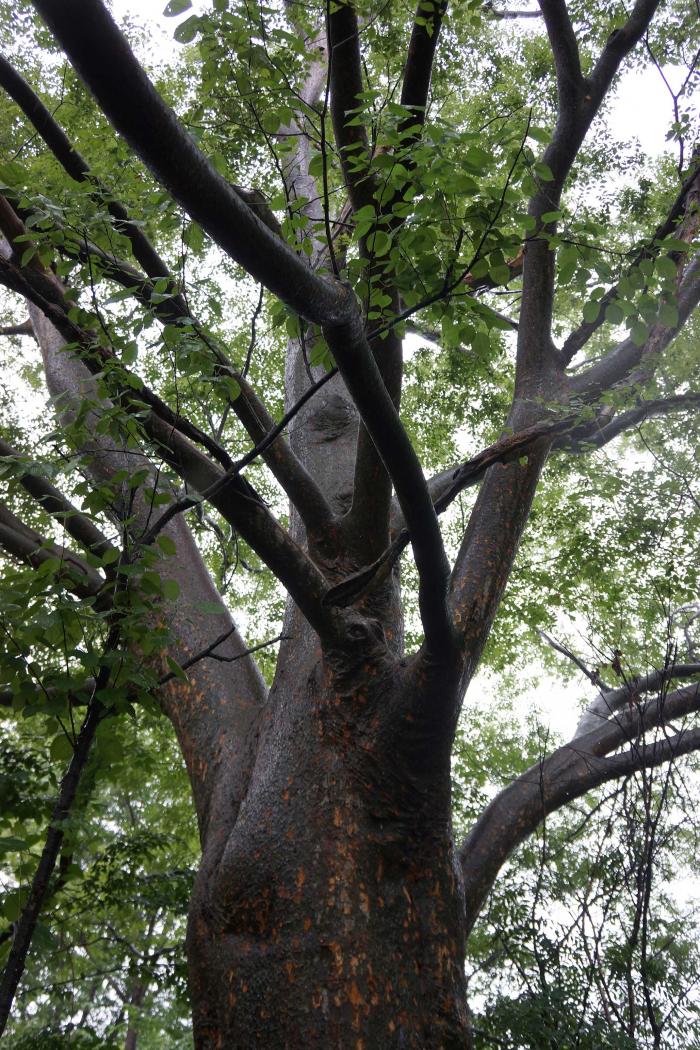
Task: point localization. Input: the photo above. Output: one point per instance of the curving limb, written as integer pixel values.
(569, 772)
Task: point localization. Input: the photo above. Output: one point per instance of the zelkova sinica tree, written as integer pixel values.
(332, 906)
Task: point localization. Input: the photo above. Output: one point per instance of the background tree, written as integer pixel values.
(326, 187)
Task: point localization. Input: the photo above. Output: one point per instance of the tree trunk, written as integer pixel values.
(334, 917)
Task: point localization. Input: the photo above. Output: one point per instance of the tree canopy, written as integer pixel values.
(327, 297)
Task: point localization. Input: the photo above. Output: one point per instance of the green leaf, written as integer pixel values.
(666, 268)
(167, 545)
(210, 608)
(543, 171)
(639, 333)
(61, 749)
(614, 314)
(171, 590)
(176, 669)
(591, 310)
(379, 243)
(10, 844)
(187, 30)
(668, 315)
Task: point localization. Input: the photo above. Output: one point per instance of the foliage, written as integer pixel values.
(609, 555)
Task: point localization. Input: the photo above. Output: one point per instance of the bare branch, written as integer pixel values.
(592, 676)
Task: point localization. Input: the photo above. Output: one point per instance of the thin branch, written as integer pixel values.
(26, 924)
(578, 338)
(620, 364)
(598, 437)
(25, 328)
(77, 167)
(568, 773)
(251, 412)
(592, 676)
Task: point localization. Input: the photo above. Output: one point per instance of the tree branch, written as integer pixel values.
(564, 46)
(364, 382)
(568, 773)
(104, 60)
(599, 437)
(620, 363)
(75, 165)
(76, 524)
(248, 408)
(235, 498)
(578, 338)
(345, 73)
(419, 61)
(592, 676)
(30, 547)
(605, 706)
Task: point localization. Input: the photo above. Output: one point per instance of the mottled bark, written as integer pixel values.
(334, 916)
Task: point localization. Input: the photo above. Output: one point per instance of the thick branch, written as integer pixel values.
(106, 63)
(564, 46)
(364, 382)
(613, 700)
(76, 524)
(419, 60)
(33, 549)
(345, 72)
(568, 773)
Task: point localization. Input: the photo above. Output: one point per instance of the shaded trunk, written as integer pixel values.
(334, 917)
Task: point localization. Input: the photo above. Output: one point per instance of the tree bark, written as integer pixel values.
(335, 915)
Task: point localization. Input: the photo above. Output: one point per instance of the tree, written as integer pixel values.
(332, 905)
